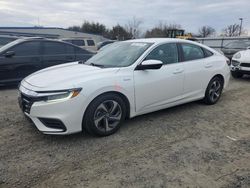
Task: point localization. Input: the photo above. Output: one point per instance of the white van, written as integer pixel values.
(86, 43)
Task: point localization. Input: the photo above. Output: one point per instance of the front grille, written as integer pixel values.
(245, 64)
(25, 103)
(235, 63)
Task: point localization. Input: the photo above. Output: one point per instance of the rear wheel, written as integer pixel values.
(104, 115)
(213, 91)
(236, 74)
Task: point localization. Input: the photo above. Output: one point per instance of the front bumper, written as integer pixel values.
(241, 69)
(62, 117)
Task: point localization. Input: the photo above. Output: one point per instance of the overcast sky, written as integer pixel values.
(191, 14)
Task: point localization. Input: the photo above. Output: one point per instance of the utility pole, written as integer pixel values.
(241, 21)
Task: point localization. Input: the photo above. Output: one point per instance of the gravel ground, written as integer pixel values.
(192, 145)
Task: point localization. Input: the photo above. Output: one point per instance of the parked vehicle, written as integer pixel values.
(6, 39)
(104, 43)
(241, 63)
(126, 79)
(230, 49)
(22, 57)
(88, 44)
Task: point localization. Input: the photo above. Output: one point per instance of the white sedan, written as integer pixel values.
(240, 63)
(124, 80)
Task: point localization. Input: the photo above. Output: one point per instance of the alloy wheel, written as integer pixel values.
(107, 115)
(215, 91)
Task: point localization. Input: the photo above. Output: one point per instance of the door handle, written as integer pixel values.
(208, 65)
(178, 71)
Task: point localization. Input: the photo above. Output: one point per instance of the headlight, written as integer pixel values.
(235, 63)
(237, 55)
(59, 95)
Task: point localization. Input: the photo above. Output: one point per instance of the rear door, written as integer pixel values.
(197, 68)
(25, 60)
(55, 53)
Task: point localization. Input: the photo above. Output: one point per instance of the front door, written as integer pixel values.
(26, 59)
(156, 88)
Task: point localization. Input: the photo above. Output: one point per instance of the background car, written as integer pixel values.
(126, 79)
(22, 57)
(88, 44)
(104, 43)
(241, 64)
(6, 39)
(231, 48)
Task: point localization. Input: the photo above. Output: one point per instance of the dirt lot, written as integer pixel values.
(192, 145)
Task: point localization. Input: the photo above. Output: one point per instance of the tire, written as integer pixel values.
(213, 91)
(236, 74)
(104, 115)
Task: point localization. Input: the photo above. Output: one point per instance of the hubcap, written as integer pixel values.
(107, 115)
(215, 91)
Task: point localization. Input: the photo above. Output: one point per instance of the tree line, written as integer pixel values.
(133, 30)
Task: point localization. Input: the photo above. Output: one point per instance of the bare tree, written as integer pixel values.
(206, 31)
(133, 27)
(231, 30)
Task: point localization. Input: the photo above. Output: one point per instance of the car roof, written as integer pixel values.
(18, 41)
(8, 36)
(157, 41)
(160, 40)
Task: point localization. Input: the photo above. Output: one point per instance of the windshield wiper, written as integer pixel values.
(97, 65)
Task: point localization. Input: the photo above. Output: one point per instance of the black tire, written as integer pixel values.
(213, 91)
(99, 120)
(236, 74)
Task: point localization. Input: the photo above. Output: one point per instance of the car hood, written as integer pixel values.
(245, 56)
(230, 50)
(65, 76)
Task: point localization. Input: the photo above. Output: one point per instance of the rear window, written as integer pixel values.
(78, 42)
(192, 52)
(91, 43)
(207, 53)
(54, 48)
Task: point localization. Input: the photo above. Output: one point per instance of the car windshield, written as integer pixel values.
(238, 44)
(119, 54)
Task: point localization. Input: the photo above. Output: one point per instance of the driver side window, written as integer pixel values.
(167, 53)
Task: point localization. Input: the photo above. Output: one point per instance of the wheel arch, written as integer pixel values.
(123, 96)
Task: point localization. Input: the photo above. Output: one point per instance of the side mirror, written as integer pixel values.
(248, 48)
(9, 54)
(150, 64)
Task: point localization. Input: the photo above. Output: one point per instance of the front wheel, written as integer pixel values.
(213, 91)
(104, 115)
